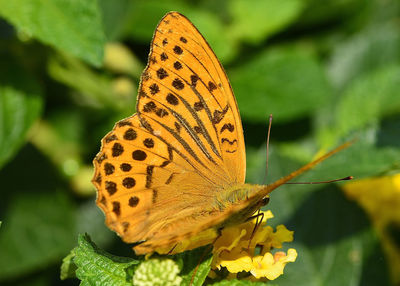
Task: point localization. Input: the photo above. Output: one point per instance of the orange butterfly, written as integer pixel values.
(177, 167)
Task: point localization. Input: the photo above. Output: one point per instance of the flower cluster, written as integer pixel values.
(247, 247)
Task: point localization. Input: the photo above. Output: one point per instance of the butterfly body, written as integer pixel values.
(177, 167)
(236, 196)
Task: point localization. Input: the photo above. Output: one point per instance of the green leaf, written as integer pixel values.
(68, 267)
(320, 13)
(196, 262)
(369, 50)
(331, 235)
(38, 217)
(115, 16)
(286, 82)
(20, 106)
(145, 16)
(96, 267)
(254, 21)
(72, 26)
(368, 99)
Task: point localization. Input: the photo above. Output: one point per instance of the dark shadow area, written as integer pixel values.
(389, 132)
(375, 268)
(393, 230)
(38, 222)
(255, 134)
(326, 217)
(50, 276)
(29, 172)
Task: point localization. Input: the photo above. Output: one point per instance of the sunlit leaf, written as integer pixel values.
(285, 82)
(72, 26)
(254, 21)
(96, 267)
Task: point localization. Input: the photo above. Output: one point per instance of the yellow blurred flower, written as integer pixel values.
(380, 197)
(120, 59)
(123, 86)
(244, 248)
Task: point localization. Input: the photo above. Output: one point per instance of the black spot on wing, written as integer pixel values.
(117, 150)
(178, 50)
(178, 84)
(227, 126)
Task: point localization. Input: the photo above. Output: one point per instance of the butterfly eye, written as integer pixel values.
(265, 201)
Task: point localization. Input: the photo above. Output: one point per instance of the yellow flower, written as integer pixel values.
(236, 249)
(380, 197)
(244, 248)
(271, 266)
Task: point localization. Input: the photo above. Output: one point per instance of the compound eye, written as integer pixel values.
(265, 201)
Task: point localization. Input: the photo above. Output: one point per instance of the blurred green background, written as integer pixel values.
(328, 71)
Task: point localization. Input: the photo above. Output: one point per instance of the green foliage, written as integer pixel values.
(20, 106)
(38, 224)
(268, 84)
(71, 26)
(195, 265)
(328, 71)
(250, 20)
(93, 266)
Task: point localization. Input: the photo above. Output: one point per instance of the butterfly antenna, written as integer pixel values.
(321, 182)
(286, 179)
(266, 163)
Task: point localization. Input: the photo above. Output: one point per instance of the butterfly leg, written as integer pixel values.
(172, 249)
(258, 223)
(255, 216)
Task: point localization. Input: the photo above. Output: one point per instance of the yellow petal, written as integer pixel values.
(272, 267)
(242, 263)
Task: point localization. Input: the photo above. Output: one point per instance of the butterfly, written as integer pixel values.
(177, 167)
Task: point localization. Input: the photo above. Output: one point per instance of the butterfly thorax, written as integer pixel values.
(237, 194)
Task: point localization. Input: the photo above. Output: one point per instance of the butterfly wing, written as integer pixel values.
(186, 86)
(144, 183)
(158, 172)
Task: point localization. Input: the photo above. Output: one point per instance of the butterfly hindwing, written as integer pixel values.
(143, 183)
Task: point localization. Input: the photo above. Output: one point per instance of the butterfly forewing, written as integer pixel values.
(185, 85)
